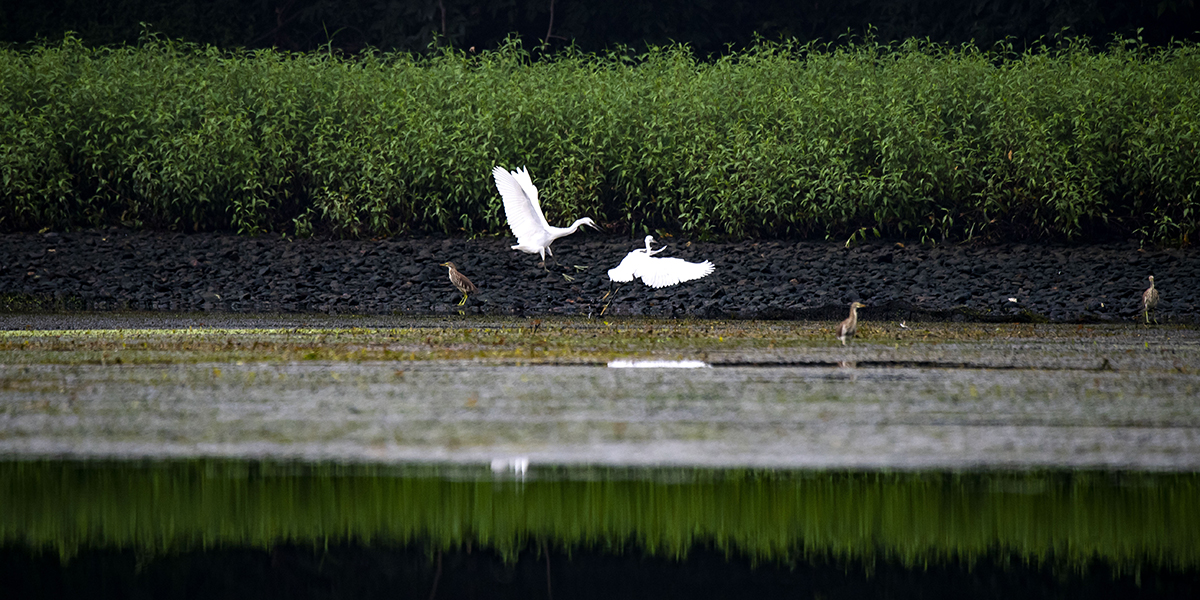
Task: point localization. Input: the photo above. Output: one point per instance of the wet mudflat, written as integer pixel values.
(470, 391)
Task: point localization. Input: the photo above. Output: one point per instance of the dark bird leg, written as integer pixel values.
(609, 295)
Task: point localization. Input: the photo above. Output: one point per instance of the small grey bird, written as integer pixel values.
(1149, 300)
(460, 281)
(847, 328)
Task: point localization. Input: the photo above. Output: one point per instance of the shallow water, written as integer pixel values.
(172, 506)
(779, 417)
(924, 460)
(1056, 531)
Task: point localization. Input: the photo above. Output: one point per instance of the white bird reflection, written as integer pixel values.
(516, 465)
(658, 364)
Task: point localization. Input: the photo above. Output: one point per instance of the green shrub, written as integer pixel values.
(916, 140)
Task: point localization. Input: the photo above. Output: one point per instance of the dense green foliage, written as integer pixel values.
(1069, 518)
(912, 140)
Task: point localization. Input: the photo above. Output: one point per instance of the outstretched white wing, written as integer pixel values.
(521, 207)
(658, 272)
(662, 272)
(628, 268)
(531, 192)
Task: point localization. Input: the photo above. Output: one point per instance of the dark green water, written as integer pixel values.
(207, 528)
(1128, 520)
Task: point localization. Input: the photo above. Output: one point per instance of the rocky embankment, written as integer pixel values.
(162, 271)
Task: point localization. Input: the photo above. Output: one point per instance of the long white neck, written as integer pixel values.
(576, 225)
(557, 232)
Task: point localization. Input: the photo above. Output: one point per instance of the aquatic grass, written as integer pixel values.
(548, 341)
(1067, 519)
(558, 341)
(911, 139)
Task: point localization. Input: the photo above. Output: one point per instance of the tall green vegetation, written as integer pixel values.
(915, 140)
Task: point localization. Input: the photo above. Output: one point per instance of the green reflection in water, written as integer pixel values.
(1071, 518)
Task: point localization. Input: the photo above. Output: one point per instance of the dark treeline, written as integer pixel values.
(708, 26)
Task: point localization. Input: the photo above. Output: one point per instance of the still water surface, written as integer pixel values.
(1042, 465)
(734, 417)
(1075, 525)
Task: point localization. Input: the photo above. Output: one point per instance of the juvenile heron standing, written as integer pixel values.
(847, 328)
(1149, 300)
(460, 281)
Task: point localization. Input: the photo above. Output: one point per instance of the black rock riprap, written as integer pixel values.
(157, 271)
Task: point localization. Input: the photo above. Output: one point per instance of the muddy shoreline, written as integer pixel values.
(115, 270)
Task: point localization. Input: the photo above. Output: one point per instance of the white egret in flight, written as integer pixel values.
(657, 272)
(524, 213)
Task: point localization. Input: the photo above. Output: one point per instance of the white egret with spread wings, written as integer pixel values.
(657, 272)
(524, 213)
